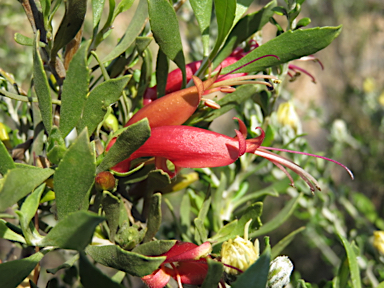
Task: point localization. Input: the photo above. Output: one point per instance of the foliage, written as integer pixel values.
(57, 137)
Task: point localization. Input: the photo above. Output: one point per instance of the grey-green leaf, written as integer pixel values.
(74, 177)
(18, 182)
(91, 277)
(128, 142)
(72, 21)
(98, 101)
(6, 162)
(288, 46)
(165, 29)
(75, 90)
(41, 86)
(154, 217)
(7, 233)
(352, 262)
(244, 29)
(97, 10)
(135, 26)
(276, 250)
(203, 10)
(73, 232)
(12, 273)
(279, 218)
(215, 272)
(130, 262)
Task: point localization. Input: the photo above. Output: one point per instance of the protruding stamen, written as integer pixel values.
(210, 103)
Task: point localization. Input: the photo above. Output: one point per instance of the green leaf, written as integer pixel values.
(203, 10)
(215, 272)
(111, 207)
(276, 250)
(74, 177)
(7, 233)
(165, 29)
(75, 231)
(124, 5)
(6, 162)
(41, 86)
(244, 29)
(75, 90)
(98, 101)
(352, 261)
(256, 275)
(288, 46)
(18, 182)
(97, 11)
(128, 142)
(154, 217)
(12, 273)
(135, 27)
(26, 41)
(67, 264)
(185, 214)
(162, 66)
(130, 262)
(155, 248)
(225, 15)
(72, 21)
(279, 218)
(28, 211)
(303, 22)
(236, 227)
(200, 231)
(91, 277)
(241, 7)
(381, 285)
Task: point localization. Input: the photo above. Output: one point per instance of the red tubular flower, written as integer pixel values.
(191, 147)
(175, 77)
(188, 265)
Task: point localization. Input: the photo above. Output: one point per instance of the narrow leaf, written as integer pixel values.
(72, 21)
(12, 273)
(165, 29)
(276, 250)
(73, 232)
(98, 100)
(91, 277)
(135, 27)
(203, 10)
(75, 90)
(154, 217)
(225, 14)
(18, 182)
(97, 10)
(128, 142)
(288, 46)
(74, 177)
(130, 262)
(279, 219)
(244, 29)
(7, 233)
(6, 162)
(352, 261)
(41, 87)
(124, 5)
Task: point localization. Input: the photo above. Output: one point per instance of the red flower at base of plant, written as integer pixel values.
(187, 265)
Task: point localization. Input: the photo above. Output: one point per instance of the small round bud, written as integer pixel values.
(105, 181)
(280, 270)
(111, 123)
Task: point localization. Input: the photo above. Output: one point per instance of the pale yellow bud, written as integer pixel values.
(287, 116)
(239, 253)
(378, 241)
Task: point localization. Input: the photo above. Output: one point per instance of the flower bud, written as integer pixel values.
(280, 270)
(287, 116)
(378, 241)
(111, 123)
(105, 181)
(239, 253)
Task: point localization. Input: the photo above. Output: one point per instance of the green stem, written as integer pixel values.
(102, 67)
(24, 98)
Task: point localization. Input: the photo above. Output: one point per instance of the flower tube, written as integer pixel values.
(191, 147)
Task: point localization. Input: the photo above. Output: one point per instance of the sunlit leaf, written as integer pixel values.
(74, 177)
